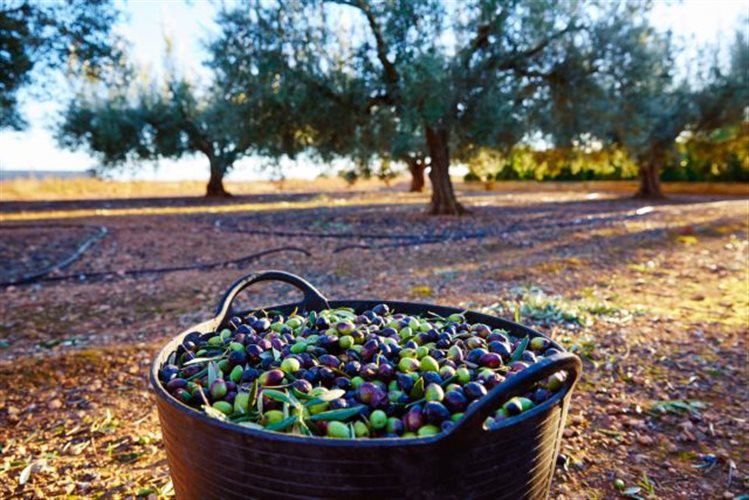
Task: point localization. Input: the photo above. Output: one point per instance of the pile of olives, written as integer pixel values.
(340, 374)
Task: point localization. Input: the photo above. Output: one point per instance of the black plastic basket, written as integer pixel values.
(515, 459)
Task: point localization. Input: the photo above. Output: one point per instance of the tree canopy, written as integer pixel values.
(39, 36)
(423, 78)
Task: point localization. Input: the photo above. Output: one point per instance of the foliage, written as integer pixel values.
(146, 121)
(638, 104)
(42, 36)
(410, 77)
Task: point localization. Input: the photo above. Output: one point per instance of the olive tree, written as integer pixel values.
(456, 75)
(636, 102)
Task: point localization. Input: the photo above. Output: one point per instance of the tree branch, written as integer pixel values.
(390, 75)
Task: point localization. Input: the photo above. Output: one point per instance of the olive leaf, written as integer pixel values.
(409, 405)
(417, 391)
(331, 394)
(345, 313)
(277, 395)
(195, 361)
(519, 349)
(340, 414)
(283, 424)
(304, 429)
(197, 375)
(293, 400)
(214, 372)
(253, 394)
(436, 315)
(213, 412)
(251, 425)
(312, 402)
(172, 358)
(25, 474)
(299, 394)
(276, 354)
(311, 319)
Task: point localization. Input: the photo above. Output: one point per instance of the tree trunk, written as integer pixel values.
(443, 197)
(650, 181)
(416, 165)
(215, 188)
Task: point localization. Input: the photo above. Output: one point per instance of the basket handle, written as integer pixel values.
(471, 425)
(313, 299)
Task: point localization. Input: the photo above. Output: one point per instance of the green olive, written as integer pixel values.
(464, 375)
(298, 347)
(378, 419)
(271, 417)
(360, 429)
(223, 407)
(434, 392)
(346, 342)
(236, 374)
(428, 430)
(408, 365)
(290, 365)
(338, 430)
(429, 364)
(242, 402)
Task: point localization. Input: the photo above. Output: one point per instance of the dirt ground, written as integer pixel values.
(653, 296)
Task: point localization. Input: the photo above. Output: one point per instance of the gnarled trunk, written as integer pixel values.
(650, 181)
(215, 188)
(443, 197)
(416, 165)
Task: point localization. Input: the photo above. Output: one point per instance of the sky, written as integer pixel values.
(188, 24)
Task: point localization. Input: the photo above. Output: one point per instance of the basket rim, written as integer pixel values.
(171, 345)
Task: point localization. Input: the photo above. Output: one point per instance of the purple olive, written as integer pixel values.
(168, 372)
(435, 412)
(183, 395)
(329, 360)
(517, 366)
(394, 426)
(540, 395)
(431, 378)
(481, 330)
(386, 371)
(272, 377)
(352, 368)
(491, 360)
(455, 401)
(366, 392)
(253, 353)
(369, 371)
(303, 386)
(249, 375)
(405, 382)
(327, 376)
(474, 390)
(528, 357)
(237, 358)
(342, 383)
(413, 419)
(500, 347)
(381, 309)
(337, 404)
(176, 383)
(474, 356)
